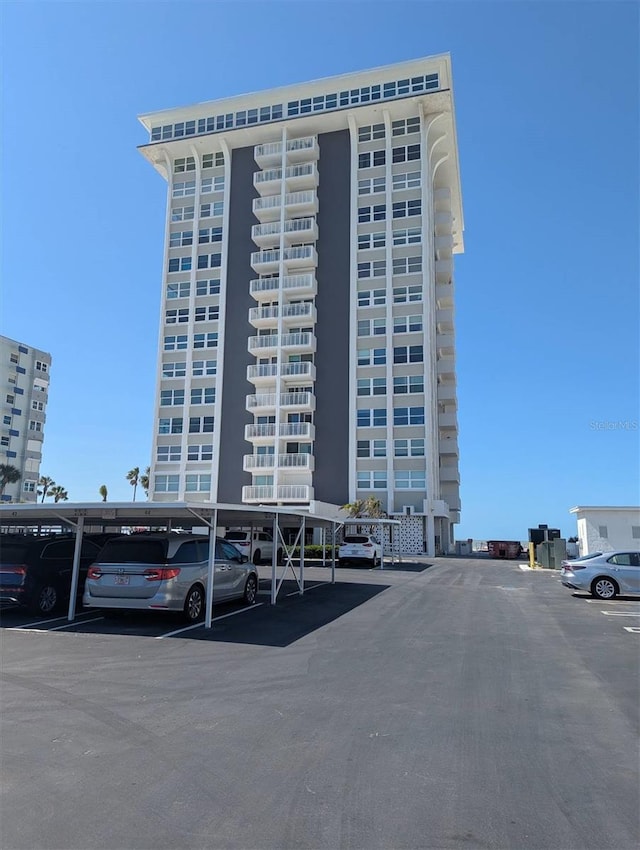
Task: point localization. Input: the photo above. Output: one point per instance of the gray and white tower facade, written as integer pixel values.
(24, 375)
(307, 325)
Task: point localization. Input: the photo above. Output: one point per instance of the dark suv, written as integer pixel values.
(36, 571)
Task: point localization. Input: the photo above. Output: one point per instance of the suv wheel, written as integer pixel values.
(256, 557)
(45, 600)
(194, 604)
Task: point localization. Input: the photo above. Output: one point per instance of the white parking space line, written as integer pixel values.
(43, 622)
(621, 613)
(633, 629)
(612, 601)
(308, 587)
(214, 620)
(55, 628)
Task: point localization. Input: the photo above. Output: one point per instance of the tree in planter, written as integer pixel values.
(8, 475)
(364, 509)
(103, 492)
(59, 493)
(46, 483)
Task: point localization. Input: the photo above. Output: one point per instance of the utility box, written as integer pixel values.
(551, 553)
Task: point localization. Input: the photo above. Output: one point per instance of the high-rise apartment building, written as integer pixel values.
(307, 336)
(24, 377)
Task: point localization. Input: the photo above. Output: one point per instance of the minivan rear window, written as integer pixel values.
(134, 551)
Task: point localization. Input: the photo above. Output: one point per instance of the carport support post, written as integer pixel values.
(75, 572)
(333, 553)
(302, 542)
(211, 570)
(274, 559)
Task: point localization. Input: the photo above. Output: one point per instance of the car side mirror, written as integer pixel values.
(243, 559)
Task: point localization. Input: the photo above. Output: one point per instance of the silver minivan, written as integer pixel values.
(167, 572)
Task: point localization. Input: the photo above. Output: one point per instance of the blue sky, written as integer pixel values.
(547, 307)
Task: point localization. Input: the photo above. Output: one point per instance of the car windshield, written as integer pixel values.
(131, 550)
(589, 557)
(236, 535)
(13, 553)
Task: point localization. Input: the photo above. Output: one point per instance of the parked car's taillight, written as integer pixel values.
(18, 570)
(367, 545)
(94, 572)
(576, 567)
(155, 574)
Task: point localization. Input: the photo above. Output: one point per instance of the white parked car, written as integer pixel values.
(359, 548)
(604, 575)
(256, 545)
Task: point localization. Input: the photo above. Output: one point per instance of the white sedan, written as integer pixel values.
(359, 548)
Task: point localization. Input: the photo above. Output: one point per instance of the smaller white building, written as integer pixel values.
(607, 529)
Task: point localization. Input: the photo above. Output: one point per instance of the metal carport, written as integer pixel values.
(184, 515)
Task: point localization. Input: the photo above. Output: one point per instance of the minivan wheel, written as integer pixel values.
(256, 557)
(604, 588)
(250, 590)
(44, 600)
(280, 557)
(194, 604)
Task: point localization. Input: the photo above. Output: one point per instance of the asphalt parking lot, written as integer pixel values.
(457, 703)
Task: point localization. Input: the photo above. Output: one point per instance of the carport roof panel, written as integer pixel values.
(153, 513)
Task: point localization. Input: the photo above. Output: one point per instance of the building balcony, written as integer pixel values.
(450, 473)
(445, 344)
(298, 256)
(260, 433)
(444, 271)
(251, 462)
(266, 373)
(297, 285)
(448, 421)
(295, 230)
(443, 246)
(443, 223)
(292, 343)
(297, 150)
(444, 320)
(296, 177)
(296, 204)
(262, 403)
(282, 493)
(446, 368)
(448, 446)
(442, 200)
(303, 430)
(261, 317)
(448, 393)
(444, 295)
(291, 462)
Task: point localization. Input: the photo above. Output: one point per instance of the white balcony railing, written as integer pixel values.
(265, 431)
(301, 340)
(282, 493)
(298, 283)
(289, 311)
(293, 228)
(271, 150)
(268, 207)
(302, 461)
(304, 399)
(301, 254)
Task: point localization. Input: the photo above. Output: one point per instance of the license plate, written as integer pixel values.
(122, 579)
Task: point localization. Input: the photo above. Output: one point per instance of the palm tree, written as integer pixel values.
(144, 481)
(46, 483)
(8, 475)
(133, 477)
(59, 493)
(103, 492)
